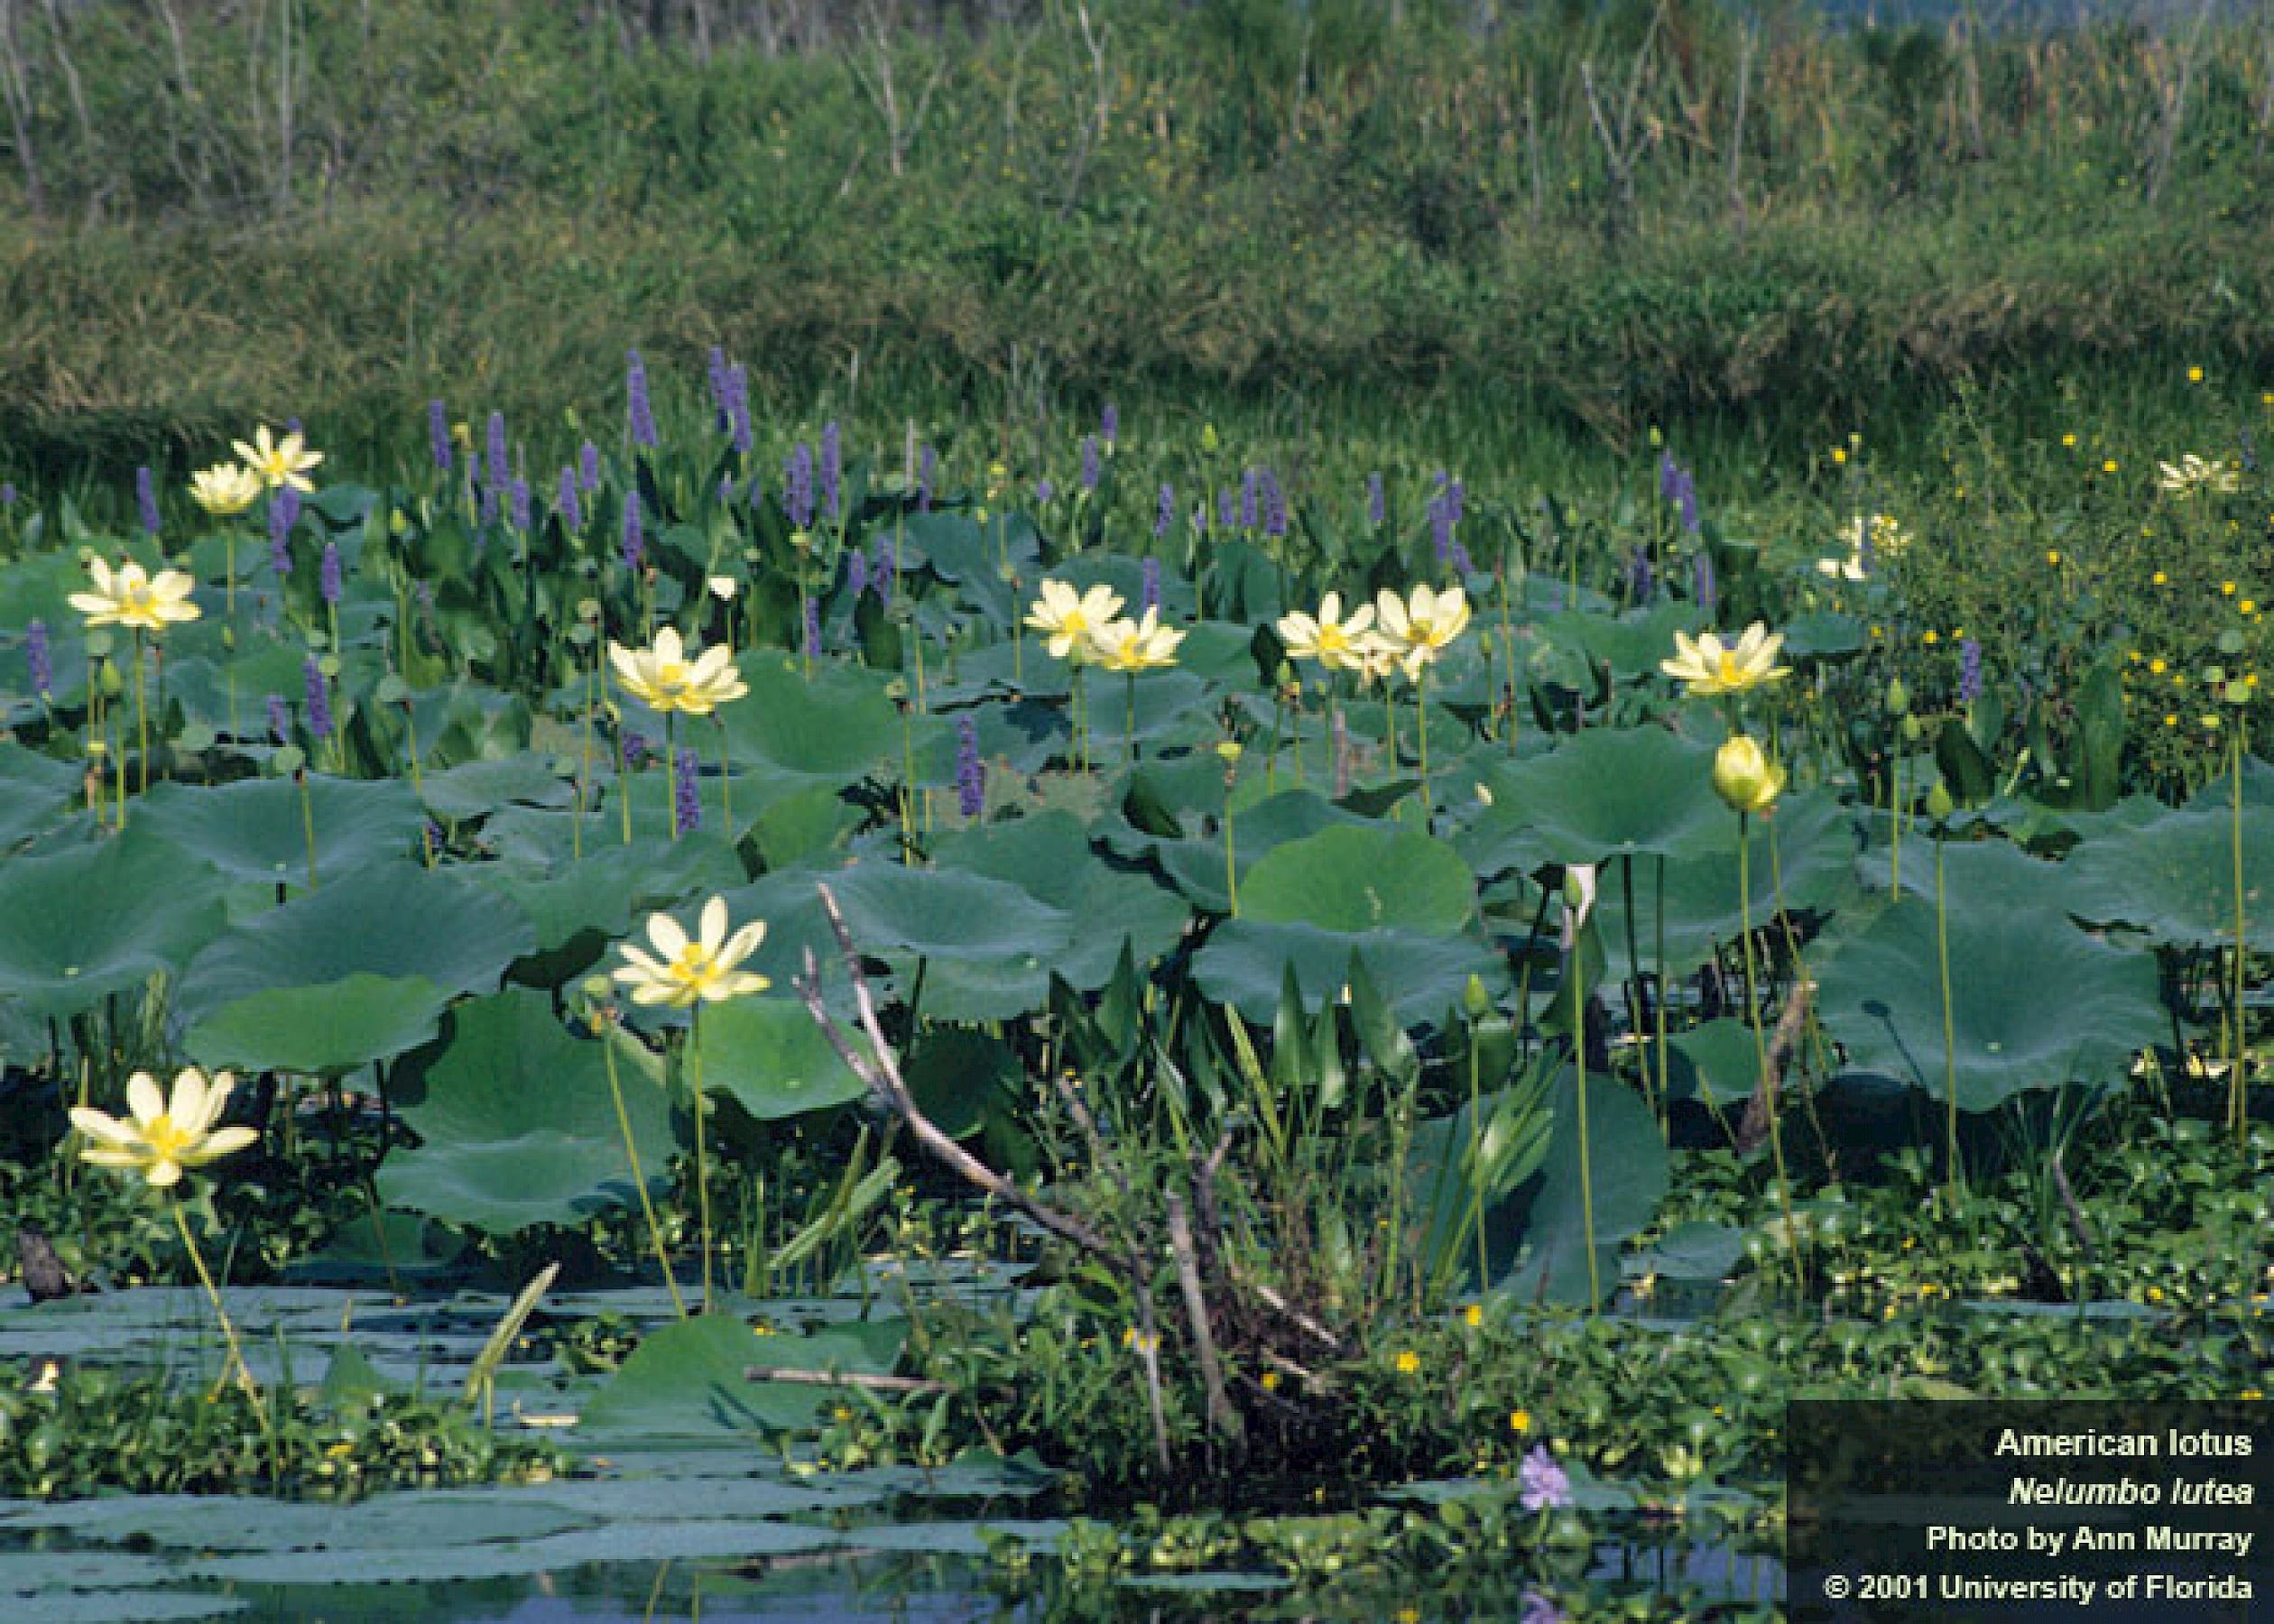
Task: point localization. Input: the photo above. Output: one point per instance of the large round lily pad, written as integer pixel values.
(688, 1381)
(2035, 1001)
(88, 921)
(767, 1055)
(516, 1123)
(1421, 973)
(1607, 791)
(322, 1029)
(1362, 877)
(256, 830)
(2174, 877)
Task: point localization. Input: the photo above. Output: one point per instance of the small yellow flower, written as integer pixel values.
(2195, 374)
(225, 489)
(1744, 777)
(2226, 589)
(2156, 666)
(2159, 579)
(1839, 454)
(2109, 467)
(1269, 1382)
(2248, 607)
(1710, 666)
(1519, 1420)
(701, 968)
(165, 1136)
(671, 677)
(2053, 557)
(1473, 1316)
(1139, 645)
(1068, 618)
(283, 462)
(1408, 1363)
(2068, 439)
(1334, 642)
(132, 597)
(1139, 1343)
(1930, 638)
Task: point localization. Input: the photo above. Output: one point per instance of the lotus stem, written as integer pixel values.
(702, 1169)
(307, 821)
(242, 1372)
(638, 1179)
(1657, 1002)
(671, 770)
(1950, 1040)
(1579, 1062)
(142, 730)
(1129, 739)
(1421, 724)
(1761, 1048)
(725, 781)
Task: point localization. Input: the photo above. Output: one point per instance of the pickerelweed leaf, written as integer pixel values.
(321, 1030)
(2035, 1002)
(392, 919)
(517, 1125)
(85, 922)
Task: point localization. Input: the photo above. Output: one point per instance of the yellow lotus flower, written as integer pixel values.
(1420, 627)
(165, 1137)
(1711, 667)
(2191, 474)
(670, 676)
(225, 489)
(692, 969)
(1329, 639)
(1140, 645)
(283, 462)
(1071, 618)
(133, 597)
(1744, 777)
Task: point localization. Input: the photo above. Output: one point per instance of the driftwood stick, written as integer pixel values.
(1285, 1310)
(1222, 1416)
(1754, 1126)
(852, 1379)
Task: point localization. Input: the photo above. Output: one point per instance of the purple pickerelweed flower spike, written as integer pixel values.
(319, 716)
(1109, 423)
(832, 468)
(1702, 580)
(1456, 500)
(495, 472)
(1641, 579)
(328, 574)
(1670, 478)
(1165, 512)
(1969, 670)
(1545, 1484)
(567, 505)
(438, 435)
(719, 387)
(486, 518)
(686, 797)
(1247, 500)
(926, 468)
(812, 626)
(517, 504)
(1200, 518)
(280, 720)
(856, 573)
(1043, 491)
(1377, 506)
(1090, 471)
(39, 663)
(1690, 504)
(7, 494)
(885, 569)
(588, 467)
(971, 778)
(634, 547)
(797, 486)
(633, 749)
(280, 528)
(1227, 510)
(146, 500)
(1441, 527)
(635, 388)
(1274, 505)
(738, 409)
(1148, 588)
(1463, 566)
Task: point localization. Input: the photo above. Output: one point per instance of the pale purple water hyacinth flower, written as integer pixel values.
(1165, 513)
(39, 661)
(328, 579)
(634, 546)
(636, 389)
(926, 468)
(280, 720)
(1969, 670)
(438, 435)
(1109, 423)
(146, 500)
(832, 468)
(588, 467)
(1149, 586)
(971, 778)
(319, 715)
(1545, 1484)
(1090, 469)
(687, 797)
(1540, 1609)
(566, 503)
(797, 486)
(1377, 506)
(812, 626)
(495, 472)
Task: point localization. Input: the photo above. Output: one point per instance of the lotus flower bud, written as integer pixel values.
(1744, 777)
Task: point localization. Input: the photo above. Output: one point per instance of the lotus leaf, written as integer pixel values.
(1422, 974)
(321, 1030)
(688, 1381)
(1606, 792)
(767, 1055)
(1362, 878)
(88, 921)
(256, 830)
(2174, 877)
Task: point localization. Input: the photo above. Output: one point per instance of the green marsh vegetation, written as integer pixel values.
(1342, 986)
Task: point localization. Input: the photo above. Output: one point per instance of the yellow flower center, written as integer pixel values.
(136, 603)
(694, 967)
(1730, 671)
(166, 1140)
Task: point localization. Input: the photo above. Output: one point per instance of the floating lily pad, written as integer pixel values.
(517, 1123)
(321, 1030)
(89, 921)
(686, 1380)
